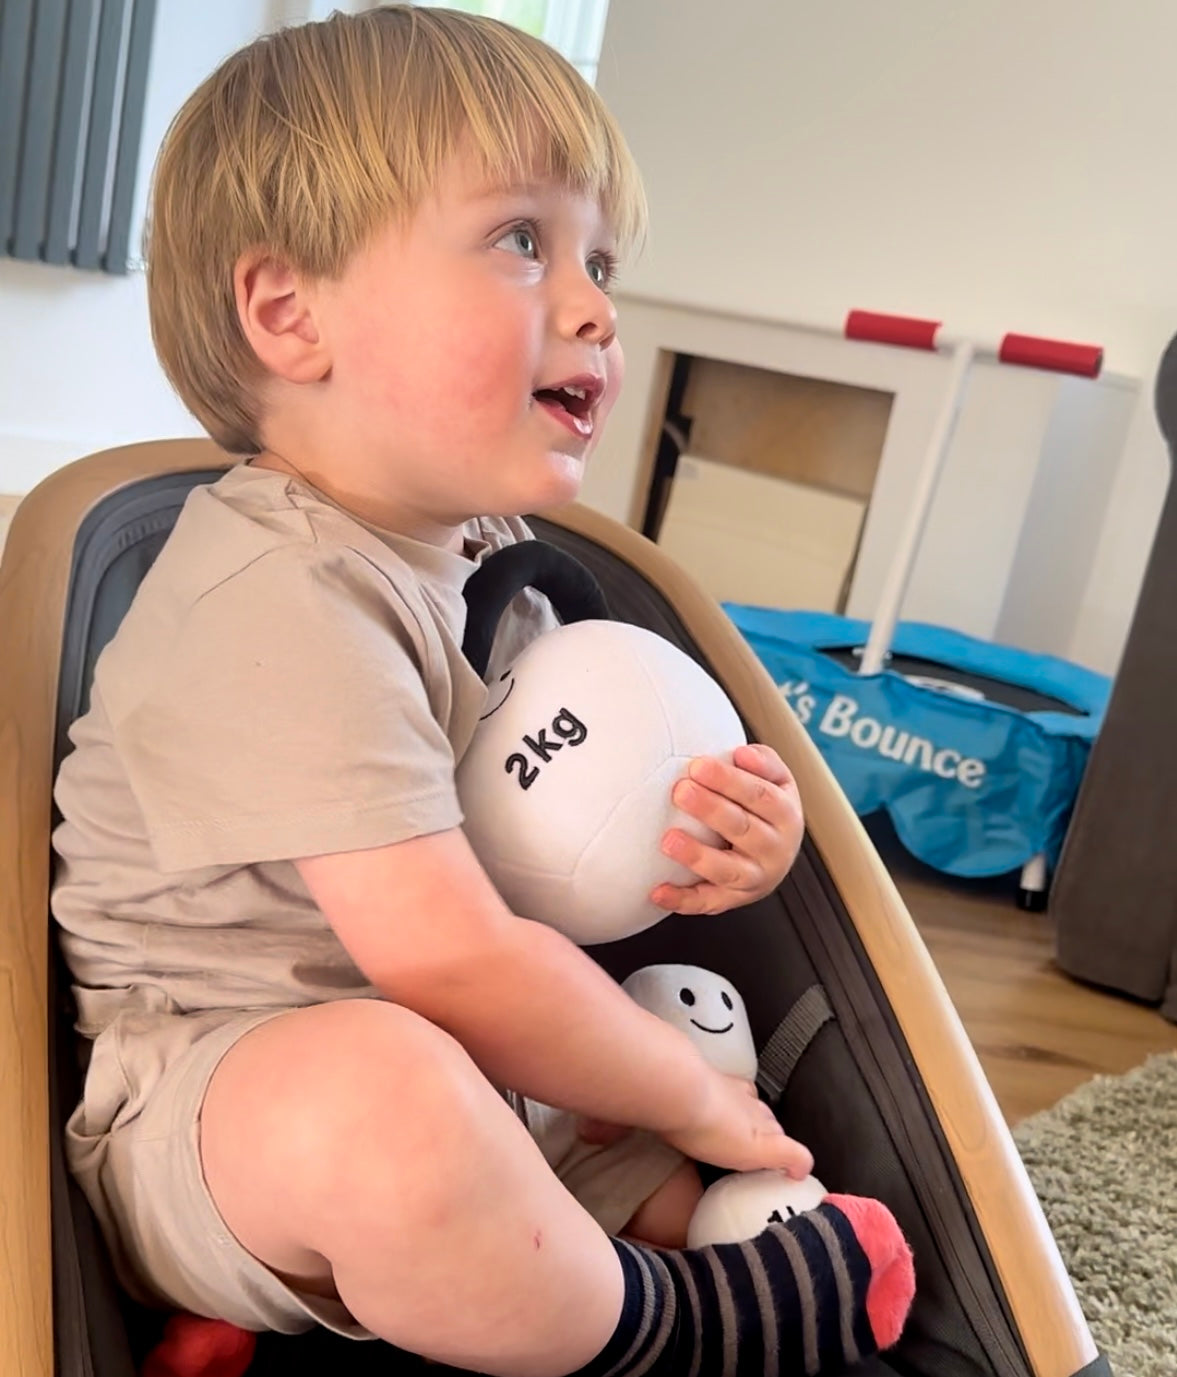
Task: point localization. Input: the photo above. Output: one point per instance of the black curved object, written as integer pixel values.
(571, 589)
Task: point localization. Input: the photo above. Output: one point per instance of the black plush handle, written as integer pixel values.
(571, 589)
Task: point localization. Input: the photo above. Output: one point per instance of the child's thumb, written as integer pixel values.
(789, 1156)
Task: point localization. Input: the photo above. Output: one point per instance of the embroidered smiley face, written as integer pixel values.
(690, 999)
(703, 1005)
(498, 693)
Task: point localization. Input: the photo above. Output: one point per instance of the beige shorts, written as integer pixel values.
(170, 1245)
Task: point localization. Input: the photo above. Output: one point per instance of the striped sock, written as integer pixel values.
(824, 1289)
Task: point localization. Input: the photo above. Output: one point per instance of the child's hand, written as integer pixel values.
(735, 1129)
(754, 805)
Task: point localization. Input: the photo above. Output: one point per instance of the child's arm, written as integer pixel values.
(425, 925)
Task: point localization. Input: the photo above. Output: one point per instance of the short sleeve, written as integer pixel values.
(290, 714)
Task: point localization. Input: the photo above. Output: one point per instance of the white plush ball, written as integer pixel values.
(742, 1205)
(566, 784)
(703, 1005)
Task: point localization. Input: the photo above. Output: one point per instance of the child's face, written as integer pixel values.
(450, 337)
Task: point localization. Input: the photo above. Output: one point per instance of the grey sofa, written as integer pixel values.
(1114, 894)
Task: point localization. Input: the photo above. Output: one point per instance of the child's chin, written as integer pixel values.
(562, 486)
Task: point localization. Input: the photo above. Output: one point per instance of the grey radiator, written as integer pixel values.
(73, 74)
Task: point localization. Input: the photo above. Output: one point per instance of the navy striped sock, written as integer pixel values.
(793, 1299)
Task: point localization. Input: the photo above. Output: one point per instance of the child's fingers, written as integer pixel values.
(743, 831)
(763, 760)
(724, 867)
(701, 898)
(774, 803)
(788, 1155)
(774, 1146)
(698, 898)
(732, 821)
(756, 812)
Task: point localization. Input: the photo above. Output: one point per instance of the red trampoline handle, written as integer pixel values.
(1025, 351)
(1060, 356)
(906, 331)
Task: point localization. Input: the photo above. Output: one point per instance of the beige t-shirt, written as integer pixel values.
(287, 682)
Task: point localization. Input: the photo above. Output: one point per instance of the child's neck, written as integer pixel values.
(375, 514)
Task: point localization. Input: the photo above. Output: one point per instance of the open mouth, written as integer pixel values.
(572, 403)
(702, 1027)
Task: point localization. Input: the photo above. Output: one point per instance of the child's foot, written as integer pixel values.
(892, 1285)
(826, 1288)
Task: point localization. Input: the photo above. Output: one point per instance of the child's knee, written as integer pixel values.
(360, 1090)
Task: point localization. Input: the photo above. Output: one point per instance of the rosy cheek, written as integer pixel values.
(484, 388)
(486, 353)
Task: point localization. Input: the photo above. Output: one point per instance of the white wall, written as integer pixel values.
(998, 166)
(1117, 565)
(77, 371)
(1003, 165)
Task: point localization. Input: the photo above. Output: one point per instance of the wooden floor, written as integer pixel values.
(1037, 1032)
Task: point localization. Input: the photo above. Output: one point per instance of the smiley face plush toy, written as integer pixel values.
(703, 1005)
(711, 1012)
(565, 787)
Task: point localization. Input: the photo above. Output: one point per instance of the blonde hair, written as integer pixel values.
(312, 138)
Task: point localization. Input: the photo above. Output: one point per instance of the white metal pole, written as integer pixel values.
(898, 576)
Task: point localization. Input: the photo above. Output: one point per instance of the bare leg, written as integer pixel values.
(662, 1219)
(354, 1148)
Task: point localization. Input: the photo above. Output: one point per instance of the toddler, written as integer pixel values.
(325, 1056)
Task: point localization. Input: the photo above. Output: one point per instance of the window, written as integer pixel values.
(575, 28)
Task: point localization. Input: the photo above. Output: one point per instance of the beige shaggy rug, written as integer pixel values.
(1104, 1164)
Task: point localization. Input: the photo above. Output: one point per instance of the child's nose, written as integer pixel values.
(586, 312)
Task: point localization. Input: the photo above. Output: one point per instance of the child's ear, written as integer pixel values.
(276, 307)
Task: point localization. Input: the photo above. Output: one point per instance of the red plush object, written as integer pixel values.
(195, 1347)
(892, 1283)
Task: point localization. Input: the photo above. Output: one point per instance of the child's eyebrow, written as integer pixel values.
(507, 194)
(506, 191)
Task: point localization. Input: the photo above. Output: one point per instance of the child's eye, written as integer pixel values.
(520, 239)
(602, 270)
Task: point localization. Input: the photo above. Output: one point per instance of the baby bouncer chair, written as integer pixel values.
(862, 1053)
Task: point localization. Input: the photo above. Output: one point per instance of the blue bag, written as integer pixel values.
(974, 787)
